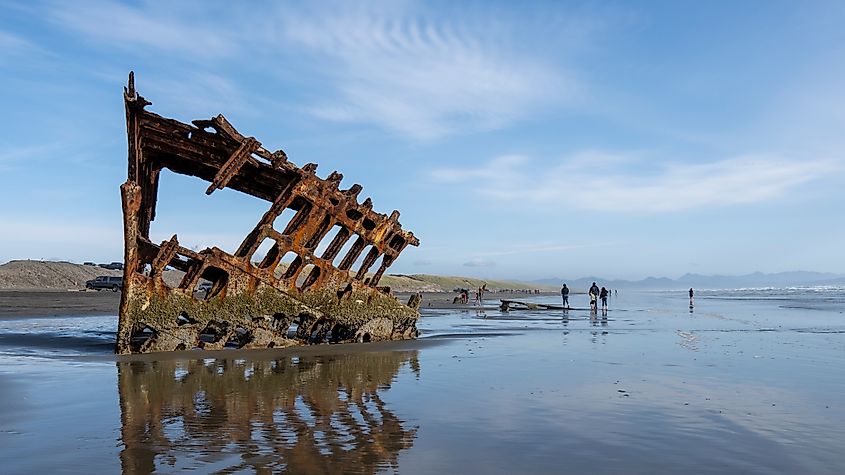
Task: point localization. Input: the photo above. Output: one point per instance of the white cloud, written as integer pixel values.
(179, 27)
(11, 43)
(424, 76)
(10, 155)
(608, 182)
(479, 262)
(17, 52)
(543, 248)
(196, 94)
(494, 170)
(397, 65)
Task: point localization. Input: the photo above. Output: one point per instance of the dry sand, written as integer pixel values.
(31, 275)
(44, 275)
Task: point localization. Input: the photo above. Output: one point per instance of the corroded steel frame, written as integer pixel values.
(252, 304)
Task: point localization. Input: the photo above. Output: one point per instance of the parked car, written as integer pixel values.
(105, 282)
(113, 266)
(89, 264)
(204, 286)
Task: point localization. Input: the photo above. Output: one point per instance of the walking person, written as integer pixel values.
(603, 295)
(479, 294)
(564, 295)
(691, 293)
(594, 295)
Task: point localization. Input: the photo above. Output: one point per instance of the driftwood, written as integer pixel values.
(252, 304)
(520, 305)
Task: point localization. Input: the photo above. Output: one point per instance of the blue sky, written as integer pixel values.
(521, 140)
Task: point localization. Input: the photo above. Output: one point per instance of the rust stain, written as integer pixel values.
(252, 304)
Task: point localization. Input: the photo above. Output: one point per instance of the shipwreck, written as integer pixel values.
(249, 300)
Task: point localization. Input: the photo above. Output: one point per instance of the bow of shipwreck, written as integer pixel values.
(252, 303)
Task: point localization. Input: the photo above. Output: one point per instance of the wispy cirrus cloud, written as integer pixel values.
(605, 182)
(400, 66)
(10, 156)
(187, 28)
(543, 248)
(199, 93)
(426, 76)
(10, 43)
(15, 49)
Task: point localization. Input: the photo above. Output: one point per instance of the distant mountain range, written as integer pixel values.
(757, 279)
(29, 274)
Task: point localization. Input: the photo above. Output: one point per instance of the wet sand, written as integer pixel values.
(737, 385)
(51, 303)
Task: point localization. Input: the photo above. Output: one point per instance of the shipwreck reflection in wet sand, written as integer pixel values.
(317, 414)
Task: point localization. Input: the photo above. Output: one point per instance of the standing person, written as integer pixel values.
(594, 295)
(691, 293)
(603, 296)
(564, 295)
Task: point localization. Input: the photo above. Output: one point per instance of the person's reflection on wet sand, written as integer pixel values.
(318, 414)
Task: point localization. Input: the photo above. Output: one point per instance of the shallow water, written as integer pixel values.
(749, 381)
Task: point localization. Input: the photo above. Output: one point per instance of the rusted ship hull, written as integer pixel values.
(252, 303)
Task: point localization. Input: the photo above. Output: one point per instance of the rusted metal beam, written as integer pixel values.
(233, 165)
(250, 304)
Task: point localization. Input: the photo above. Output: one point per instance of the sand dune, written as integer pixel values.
(39, 275)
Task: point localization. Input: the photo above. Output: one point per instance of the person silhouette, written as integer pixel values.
(564, 295)
(594, 296)
(603, 295)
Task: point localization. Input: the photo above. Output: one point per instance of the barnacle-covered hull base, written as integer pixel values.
(253, 303)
